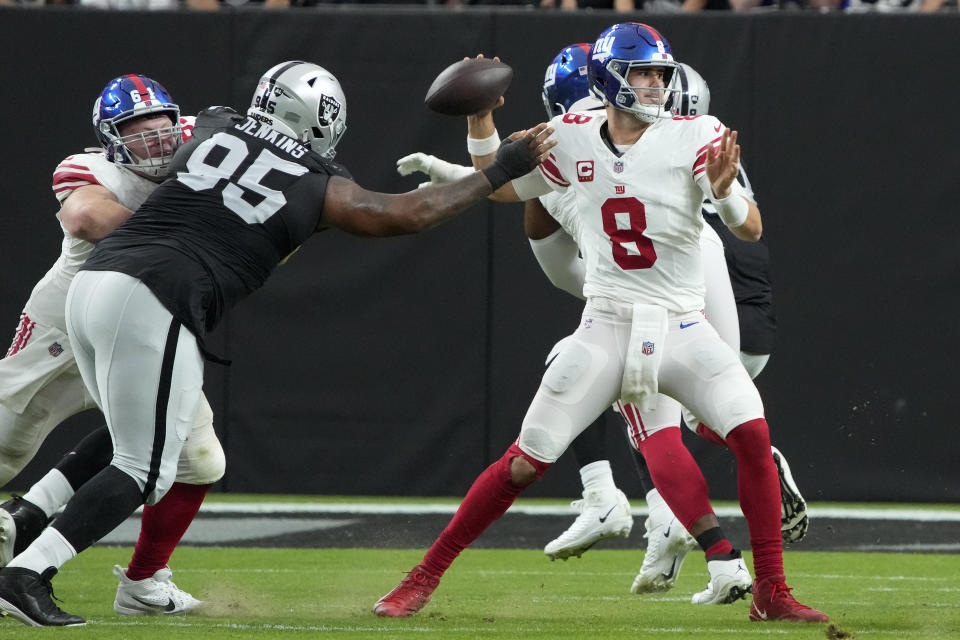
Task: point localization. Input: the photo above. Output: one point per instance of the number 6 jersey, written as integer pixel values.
(239, 198)
(639, 210)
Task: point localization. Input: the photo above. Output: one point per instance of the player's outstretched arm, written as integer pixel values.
(91, 212)
(356, 210)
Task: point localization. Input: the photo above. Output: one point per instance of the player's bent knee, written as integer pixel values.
(202, 460)
(523, 467)
(522, 472)
(14, 456)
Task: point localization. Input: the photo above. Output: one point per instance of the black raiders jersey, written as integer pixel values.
(749, 266)
(239, 198)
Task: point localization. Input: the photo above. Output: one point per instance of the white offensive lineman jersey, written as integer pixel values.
(639, 212)
(47, 300)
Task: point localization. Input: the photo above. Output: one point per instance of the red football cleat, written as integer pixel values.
(772, 601)
(409, 596)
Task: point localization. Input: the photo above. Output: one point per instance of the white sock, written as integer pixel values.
(597, 476)
(654, 499)
(50, 549)
(51, 492)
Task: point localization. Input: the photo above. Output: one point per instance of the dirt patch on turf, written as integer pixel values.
(222, 602)
(836, 633)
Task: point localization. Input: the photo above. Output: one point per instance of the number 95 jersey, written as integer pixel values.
(639, 207)
(240, 197)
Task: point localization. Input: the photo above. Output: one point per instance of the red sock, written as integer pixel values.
(489, 497)
(722, 548)
(759, 489)
(676, 475)
(707, 433)
(162, 526)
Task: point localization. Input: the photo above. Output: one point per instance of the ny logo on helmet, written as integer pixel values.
(603, 47)
(550, 78)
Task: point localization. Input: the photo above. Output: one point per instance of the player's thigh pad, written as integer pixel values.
(581, 382)
(201, 460)
(116, 321)
(706, 376)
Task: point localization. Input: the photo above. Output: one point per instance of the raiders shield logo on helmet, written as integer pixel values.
(328, 111)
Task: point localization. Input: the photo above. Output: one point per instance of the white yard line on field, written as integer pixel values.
(386, 508)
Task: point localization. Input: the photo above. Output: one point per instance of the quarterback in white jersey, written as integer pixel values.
(640, 177)
(40, 383)
(652, 223)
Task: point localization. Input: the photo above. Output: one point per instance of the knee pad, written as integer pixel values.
(202, 460)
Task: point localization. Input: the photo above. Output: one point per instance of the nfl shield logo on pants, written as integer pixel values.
(647, 348)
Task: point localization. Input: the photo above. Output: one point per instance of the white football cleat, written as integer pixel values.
(729, 581)
(157, 595)
(603, 515)
(793, 509)
(668, 544)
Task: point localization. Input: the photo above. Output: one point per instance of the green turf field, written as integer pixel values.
(285, 593)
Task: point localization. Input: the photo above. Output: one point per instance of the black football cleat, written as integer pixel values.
(21, 522)
(28, 596)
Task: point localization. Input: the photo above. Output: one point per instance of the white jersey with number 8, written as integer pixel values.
(640, 220)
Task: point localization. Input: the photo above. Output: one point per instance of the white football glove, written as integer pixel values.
(440, 171)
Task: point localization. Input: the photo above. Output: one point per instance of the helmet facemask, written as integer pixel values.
(627, 97)
(147, 152)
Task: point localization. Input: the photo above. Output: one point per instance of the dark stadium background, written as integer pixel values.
(404, 366)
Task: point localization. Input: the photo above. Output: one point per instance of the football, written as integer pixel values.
(468, 86)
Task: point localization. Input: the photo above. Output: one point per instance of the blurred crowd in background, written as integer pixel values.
(652, 6)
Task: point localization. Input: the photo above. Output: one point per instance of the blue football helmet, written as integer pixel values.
(694, 94)
(627, 46)
(132, 96)
(566, 80)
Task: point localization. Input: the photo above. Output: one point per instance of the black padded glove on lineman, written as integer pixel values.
(514, 158)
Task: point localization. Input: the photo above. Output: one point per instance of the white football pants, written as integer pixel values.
(698, 370)
(142, 368)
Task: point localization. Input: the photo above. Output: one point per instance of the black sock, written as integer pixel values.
(589, 445)
(643, 472)
(98, 507)
(87, 458)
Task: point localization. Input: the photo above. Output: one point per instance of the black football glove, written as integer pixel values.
(514, 158)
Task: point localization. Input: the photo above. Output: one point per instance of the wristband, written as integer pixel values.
(733, 210)
(496, 175)
(483, 146)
